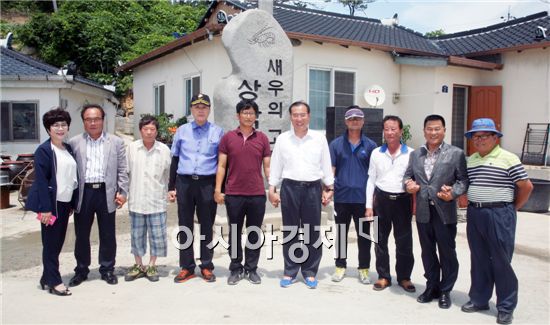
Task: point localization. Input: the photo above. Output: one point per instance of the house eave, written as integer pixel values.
(421, 61)
(476, 64)
(542, 44)
(345, 42)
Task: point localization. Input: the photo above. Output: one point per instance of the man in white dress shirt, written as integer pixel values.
(149, 169)
(301, 163)
(386, 194)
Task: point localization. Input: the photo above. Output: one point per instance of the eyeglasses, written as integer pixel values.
(93, 120)
(59, 126)
(481, 137)
(354, 118)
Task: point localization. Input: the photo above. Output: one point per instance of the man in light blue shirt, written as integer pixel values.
(192, 180)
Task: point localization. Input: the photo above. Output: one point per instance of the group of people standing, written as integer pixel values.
(436, 174)
(93, 174)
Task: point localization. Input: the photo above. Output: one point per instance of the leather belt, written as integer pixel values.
(488, 204)
(302, 183)
(392, 196)
(199, 177)
(95, 186)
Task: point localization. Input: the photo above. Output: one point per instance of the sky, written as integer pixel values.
(450, 15)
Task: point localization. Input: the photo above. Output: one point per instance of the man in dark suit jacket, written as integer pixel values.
(103, 186)
(437, 174)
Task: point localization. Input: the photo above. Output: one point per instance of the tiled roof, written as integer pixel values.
(13, 63)
(511, 34)
(358, 29)
(323, 26)
(340, 26)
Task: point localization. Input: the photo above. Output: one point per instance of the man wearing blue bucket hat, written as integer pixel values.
(499, 186)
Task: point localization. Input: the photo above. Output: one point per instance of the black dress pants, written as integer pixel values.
(253, 208)
(53, 238)
(344, 213)
(491, 235)
(196, 194)
(440, 273)
(94, 202)
(301, 208)
(394, 210)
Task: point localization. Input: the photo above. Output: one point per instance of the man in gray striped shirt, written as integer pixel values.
(499, 186)
(149, 169)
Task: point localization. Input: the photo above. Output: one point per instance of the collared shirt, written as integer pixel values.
(95, 159)
(386, 171)
(351, 163)
(301, 159)
(493, 177)
(65, 174)
(148, 177)
(431, 158)
(244, 160)
(197, 148)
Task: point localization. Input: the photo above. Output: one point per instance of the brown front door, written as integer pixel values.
(484, 101)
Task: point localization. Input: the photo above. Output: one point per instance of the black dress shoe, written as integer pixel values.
(504, 317)
(77, 280)
(469, 307)
(445, 300)
(428, 295)
(109, 277)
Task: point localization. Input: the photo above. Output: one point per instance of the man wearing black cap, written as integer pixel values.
(499, 186)
(195, 161)
(350, 155)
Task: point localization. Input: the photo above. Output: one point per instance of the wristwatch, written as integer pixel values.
(329, 190)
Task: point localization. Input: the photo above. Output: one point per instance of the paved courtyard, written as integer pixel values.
(196, 301)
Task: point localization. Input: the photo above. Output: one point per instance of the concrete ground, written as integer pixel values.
(196, 301)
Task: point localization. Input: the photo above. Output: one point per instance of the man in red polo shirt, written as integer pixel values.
(243, 151)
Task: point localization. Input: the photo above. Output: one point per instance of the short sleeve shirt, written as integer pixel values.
(493, 177)
(244, 160)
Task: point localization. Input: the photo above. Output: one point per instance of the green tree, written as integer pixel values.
(354, 5)
(95, 35)
(435, 33)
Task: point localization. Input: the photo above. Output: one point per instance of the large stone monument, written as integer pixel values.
(261, 56)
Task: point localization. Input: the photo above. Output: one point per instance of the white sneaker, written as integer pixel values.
(364, 276)
(339, 274)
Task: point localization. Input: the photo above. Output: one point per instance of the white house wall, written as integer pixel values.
(206, 58)
(211, 62)
(417, 99)
(525, 93)
(370, 67)
(48, 96)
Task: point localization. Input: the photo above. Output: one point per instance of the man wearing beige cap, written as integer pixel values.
(350, 155)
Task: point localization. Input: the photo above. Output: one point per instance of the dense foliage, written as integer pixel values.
(96, 35)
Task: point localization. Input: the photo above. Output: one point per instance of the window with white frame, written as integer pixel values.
(19, 121)
(159, 98)
(329, 87)
(192, 87)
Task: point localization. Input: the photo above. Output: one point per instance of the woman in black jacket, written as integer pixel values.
(53, 195)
